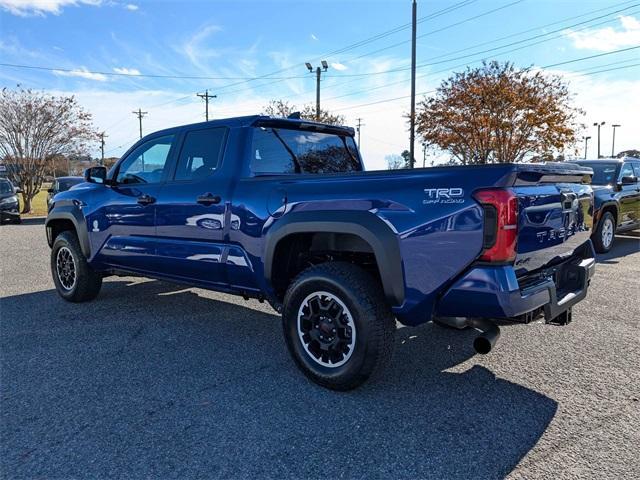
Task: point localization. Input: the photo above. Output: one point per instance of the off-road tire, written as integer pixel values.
(374, 323)
(87, 282)
(598, 242)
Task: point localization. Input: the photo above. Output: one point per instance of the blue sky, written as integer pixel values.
(231, 42)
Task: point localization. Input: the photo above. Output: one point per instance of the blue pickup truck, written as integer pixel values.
(282, 210)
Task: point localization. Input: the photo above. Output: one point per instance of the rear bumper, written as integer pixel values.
(496, 292)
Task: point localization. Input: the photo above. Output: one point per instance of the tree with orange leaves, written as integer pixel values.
(497, 114)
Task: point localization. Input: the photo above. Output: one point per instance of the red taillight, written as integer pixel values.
(500, 224)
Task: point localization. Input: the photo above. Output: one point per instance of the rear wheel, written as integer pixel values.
(604, 235)
(337, 325)
(74, 279)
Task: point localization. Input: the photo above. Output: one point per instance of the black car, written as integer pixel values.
(9, 207)
(616, 191)
(62, 184)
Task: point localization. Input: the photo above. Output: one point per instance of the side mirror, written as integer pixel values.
(628, 180)
(18, 190)
(95, 175)
(50, 190)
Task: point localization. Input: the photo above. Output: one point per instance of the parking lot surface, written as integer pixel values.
(154, 380)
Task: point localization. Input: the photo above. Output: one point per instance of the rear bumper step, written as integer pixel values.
(494, 292)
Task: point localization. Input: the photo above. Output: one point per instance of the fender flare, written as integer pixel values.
(373, 230)
(75, 216)
(608, 204)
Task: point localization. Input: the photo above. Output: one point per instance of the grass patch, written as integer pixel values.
(38, 203)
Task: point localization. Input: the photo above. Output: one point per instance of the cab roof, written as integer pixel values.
(255, 120)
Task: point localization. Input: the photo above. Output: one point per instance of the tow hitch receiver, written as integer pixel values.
(563, 319)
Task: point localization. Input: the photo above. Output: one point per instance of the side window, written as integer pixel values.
(200, 153)
(636, 169)
(269, 153)
(146, 163)
(627, 170)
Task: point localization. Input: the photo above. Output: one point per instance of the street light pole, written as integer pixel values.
(325, 67)
(586, 144)
(424, 154)
(613, 141)
(412, 119)
(598, 125)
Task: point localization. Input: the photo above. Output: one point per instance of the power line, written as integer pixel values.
(433, 32)
(486, 43)
(500, 47)
(360, 43)
(465, 64)
(433, 91)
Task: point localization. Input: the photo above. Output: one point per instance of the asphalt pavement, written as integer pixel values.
(154, 380)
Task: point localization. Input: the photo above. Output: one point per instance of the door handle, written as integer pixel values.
(208, 199)
(146, 199)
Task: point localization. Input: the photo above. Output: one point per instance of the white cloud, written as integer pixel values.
(131, 6)
(127, 71)
(196, 48)
(41, 7)
(82, 73)
(313, 37)
(339, 66)
(608, 38)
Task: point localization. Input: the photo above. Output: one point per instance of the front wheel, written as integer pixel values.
(605, 234)
(337, 325)
(74, 279)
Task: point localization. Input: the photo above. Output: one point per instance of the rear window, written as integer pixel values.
(282, 151)
(66, 184)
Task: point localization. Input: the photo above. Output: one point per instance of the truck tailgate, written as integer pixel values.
(555, 213)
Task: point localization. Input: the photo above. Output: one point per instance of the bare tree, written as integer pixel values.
(395, 162)
(35, 129)
(282, 108)
(497, 113)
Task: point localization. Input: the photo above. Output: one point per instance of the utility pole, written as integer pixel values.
(325, 67)
(586, 144)
(412, 136)
(140, 114)
(424, 154)
(613, 141)
(598, 125)
(206, 98)
(102, 135)
(360, 124)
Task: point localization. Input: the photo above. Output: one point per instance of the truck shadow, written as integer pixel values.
(152, 380)
(625, 244)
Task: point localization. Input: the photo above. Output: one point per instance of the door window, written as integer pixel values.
(147, 163)
(627, 171)
(200, 155)
(636, 168)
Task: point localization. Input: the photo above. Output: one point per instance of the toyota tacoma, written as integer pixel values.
(282, 210)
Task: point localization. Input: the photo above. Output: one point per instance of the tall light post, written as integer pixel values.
(586, 144)
(412, 118)
(598, 125)
(319, 71)
(613, 141)
(424, 154)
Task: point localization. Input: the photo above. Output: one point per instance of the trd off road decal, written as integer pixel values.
(443, 195)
